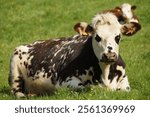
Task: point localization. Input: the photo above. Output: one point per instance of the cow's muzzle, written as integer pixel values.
(109, 57)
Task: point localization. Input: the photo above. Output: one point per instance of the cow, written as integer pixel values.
(74, 62)
(125, 15)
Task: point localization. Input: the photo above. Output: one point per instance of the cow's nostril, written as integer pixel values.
(110, 48)
(118, 89)
(128, 88)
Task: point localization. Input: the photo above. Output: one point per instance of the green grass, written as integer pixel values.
(24, 21)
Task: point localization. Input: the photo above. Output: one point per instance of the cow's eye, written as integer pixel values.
(117, 39)
(97, 38)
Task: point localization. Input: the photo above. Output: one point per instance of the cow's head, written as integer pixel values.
(132, 22)
(107, 33)
(125, 15)
(128, 11)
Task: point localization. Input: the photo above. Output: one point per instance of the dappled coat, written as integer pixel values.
(75, 62)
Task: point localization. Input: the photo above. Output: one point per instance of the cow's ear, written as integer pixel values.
(83, 28)
(130, 29)
(133, 7)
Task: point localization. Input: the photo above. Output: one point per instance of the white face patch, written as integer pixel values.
(127, 12)
(107, 28)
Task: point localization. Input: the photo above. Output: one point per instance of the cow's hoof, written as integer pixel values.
(20, 95)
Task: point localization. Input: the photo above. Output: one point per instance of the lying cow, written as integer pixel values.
(75, 62)
(125, 15)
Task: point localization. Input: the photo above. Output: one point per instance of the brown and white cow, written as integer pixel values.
(125, 15)
(44, 66)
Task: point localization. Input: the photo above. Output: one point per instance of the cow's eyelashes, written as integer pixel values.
(98, 38)
(117, 39)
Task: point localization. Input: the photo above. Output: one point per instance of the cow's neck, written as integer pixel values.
(105, 73)
(105, 68)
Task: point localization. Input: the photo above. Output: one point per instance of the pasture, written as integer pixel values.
(24, 21)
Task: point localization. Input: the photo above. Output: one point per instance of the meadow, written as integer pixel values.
(24, 21)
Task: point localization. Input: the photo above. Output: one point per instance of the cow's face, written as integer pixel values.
(127, 10)
(107, 35)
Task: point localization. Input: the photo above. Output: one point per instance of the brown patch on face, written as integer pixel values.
(118, 13)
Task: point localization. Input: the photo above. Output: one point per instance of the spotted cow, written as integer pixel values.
(125, 15)
(74, 62)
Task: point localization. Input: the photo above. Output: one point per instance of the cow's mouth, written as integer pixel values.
(109, 58)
